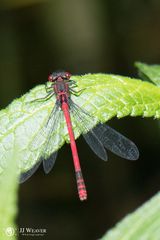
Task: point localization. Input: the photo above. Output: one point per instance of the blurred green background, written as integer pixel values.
(41, 36)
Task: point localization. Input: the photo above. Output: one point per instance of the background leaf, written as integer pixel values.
(149, 72)
(144, 223)
(8, 202)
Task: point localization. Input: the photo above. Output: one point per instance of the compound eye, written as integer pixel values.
(67, 75)
(50, 78)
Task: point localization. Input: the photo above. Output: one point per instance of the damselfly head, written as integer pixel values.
(67, 75)
(55, 75)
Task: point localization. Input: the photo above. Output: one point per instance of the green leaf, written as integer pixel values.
(8, 202)
(104, 96)
(149, 72)
(144, 223)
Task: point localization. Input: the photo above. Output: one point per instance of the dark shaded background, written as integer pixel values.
(37, 37)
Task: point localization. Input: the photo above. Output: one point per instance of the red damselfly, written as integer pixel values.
(98, 137)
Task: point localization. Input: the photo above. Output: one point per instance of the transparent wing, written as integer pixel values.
(103, 134)
(45, 155)
(84, 121)
(49, 160)
(116, 142)
(26, 175)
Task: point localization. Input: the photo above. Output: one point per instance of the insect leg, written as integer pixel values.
(76, 93)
